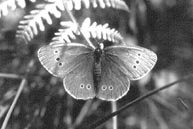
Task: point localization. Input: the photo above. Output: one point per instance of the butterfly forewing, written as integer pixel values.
(60, 59)
(134, 61)
(114, 83)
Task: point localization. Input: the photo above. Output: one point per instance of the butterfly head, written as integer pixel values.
(98, 52)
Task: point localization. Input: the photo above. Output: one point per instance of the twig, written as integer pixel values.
(83, 113)
(94, 107)
(114, 108)
(107, 117)
(79, 29)
(166, 104)
(11, 76)
(22, 84)
(68, 118)
(183, 103)
(157, 115)
(35, 114)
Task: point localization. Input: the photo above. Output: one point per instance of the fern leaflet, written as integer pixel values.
(29, 26)
(101, 32)
(77, 4)
(65, 35)
(34, 21)
(10, 4)
(7, 5)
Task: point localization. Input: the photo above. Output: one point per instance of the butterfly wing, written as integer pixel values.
(120, 64)
(74, 63)
(114, 84)
(79, 82)
(134, 61)
(59, 59)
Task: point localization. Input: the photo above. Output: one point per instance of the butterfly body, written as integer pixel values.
(104, 73)
(97, 54)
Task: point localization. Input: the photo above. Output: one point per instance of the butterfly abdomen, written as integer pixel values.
(97, 66)
(97, 73)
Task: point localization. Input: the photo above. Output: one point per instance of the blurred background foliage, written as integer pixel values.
(165, 26)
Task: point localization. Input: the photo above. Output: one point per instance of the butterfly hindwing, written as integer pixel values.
(59, 59)
(79, 82)
(134, 61)
(114, 84)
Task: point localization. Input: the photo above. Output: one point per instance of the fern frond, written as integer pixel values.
(65, 35)
(7, 5)
(32, 1)
(77, 4)
(101, 32)
(29, 26)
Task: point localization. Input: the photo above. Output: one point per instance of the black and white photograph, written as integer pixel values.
(96, 64)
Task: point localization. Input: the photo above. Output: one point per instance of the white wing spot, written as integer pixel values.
(104, 87)
(56, 51)
(57, 59)
(110, 87)
(134, 66)
(60, 64)
(88, 86)
(81, 86)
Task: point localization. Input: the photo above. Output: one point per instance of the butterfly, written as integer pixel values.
(103, 72)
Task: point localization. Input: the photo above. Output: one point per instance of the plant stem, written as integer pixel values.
(11, 76)
(22, 84)
(139, 99)
(83, 113)
(183, 103)
(79, 29)
(114, 108)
